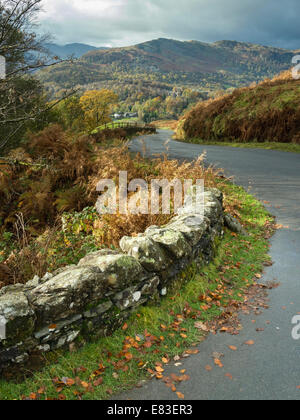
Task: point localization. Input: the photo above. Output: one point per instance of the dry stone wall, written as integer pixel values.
(94, 298)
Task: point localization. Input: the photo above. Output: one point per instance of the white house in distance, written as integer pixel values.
(121, 115)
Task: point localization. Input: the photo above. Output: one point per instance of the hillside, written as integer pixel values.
(163, 78)
(209, 67)
(269, 111)
(167, 55)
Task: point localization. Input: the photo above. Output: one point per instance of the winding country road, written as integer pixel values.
(271, 368)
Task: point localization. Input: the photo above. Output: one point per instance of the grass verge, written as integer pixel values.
(165, 124)
(114, 123)
(283, 147)
(157, 333)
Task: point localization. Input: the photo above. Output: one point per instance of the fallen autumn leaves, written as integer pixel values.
(135, 348)
(141, 352)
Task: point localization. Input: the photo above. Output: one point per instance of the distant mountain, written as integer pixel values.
(200, 66)
(65, 51)
(167, 55)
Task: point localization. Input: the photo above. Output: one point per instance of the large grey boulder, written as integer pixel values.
(150, 254)
(122, 270)
(172, 240)
(213, 208)
(193, 227)
(68, 293)
(16, 316)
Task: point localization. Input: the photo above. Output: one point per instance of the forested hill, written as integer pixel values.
(144, 76)
(220, 65)
(167, 55)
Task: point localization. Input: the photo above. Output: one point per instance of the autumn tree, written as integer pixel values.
(97, 105)
(21, 94)
(70, 113)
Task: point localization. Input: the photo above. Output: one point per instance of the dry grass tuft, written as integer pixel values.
(57, 172)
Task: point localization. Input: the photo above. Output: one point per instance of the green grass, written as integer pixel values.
(244, 256)
(111, 124)
(283, 147)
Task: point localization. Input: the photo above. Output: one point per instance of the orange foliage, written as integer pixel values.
(58, 172)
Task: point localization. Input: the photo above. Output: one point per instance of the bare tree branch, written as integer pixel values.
(21, 94)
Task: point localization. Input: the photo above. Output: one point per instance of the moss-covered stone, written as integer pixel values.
(121, 270)
(93, 299)
(68, 293)
(149, 253)
(172, 240)
(18, 318)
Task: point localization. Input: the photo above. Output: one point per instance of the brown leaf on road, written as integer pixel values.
(233, 348)
(217, 355)
(250, 343)
(224, 329)
(174, 377)
(208, 368)
(180, 395)
(184, 378)
(218, 363)
(228, 375)
(192, 351)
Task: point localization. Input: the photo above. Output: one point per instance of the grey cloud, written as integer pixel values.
(270, 22)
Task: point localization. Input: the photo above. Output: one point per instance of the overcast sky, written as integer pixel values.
(128, 22)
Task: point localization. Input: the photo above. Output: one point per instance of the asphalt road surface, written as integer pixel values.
(269, 370)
